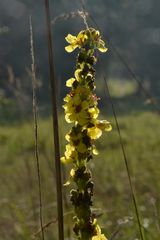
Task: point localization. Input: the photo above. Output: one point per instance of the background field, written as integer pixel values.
(112, 201)
(133, 29)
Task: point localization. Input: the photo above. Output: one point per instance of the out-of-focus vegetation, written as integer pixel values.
(134, 28)
(112, 202)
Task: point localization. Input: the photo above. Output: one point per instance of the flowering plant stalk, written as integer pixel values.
(81, 109)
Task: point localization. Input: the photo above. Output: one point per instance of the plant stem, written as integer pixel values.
(55, 122)
(36, 125)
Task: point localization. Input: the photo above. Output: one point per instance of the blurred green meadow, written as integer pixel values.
(132, 35)
(19, 202)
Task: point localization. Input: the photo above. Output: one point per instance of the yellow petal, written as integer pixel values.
(70, 82)
(94, 112)
(63, 159)
(70, 38)
(70, 147)
(108, 127)
(97, 33)
(69, 151)
(101, 46)
(67, 183)
(67, 137)
(77, 74)
(98, 229)
(102, 49)
(72, 172)
(81, 37)
(67, 98)
(104, 125)
(80, 34)
(66, 160)
(95, 151)
(71, 48)
(67, 117)
(94, 132)
(99, 237)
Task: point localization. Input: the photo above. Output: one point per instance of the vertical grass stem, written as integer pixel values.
(55, 122)
(126, 162)
(36, 124)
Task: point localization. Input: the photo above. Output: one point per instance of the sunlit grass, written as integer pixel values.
(118, 87)
(18, 181)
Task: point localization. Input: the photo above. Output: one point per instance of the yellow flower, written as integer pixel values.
(99, 43)
(70, 154)
(94, 111)
(99, 236)
(83, 92)
(92, 36)
(101, 46)
(94, 132)
(71, 104)
(75, 41)
(81, 117)
(75, 110)
(76, 141)
(104, 125)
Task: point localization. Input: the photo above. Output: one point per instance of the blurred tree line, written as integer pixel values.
(132, 26)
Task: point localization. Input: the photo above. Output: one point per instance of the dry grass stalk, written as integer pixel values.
(55, 122)
(126, 163)
(36, 125)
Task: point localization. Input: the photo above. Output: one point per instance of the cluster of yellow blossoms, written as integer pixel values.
(81, 110)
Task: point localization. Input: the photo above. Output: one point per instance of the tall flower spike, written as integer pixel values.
(81, 109)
